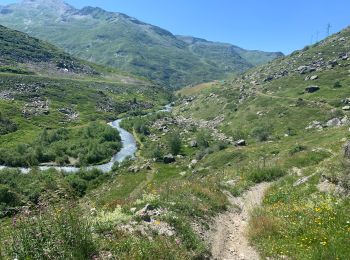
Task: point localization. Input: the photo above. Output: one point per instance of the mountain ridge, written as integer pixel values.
(118, 40)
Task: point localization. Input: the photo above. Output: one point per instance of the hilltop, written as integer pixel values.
(123, 42)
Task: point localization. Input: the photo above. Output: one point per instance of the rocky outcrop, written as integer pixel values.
(36, 107)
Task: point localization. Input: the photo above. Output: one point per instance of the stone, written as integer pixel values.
(345, 120)
(347, 150)
(346, 108)
(334, 122)
(241, 142)
(305, 69)
(169, 159)
(231, 183)
(315, 125)
(193, 144)
(182, 173)
(133, 169)
(194, 161)
(312, 89)
(314, 77)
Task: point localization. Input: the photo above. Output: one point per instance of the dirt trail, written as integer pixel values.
(228, 239)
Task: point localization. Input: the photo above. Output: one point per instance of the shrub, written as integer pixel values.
(58, 233)
(337, 84)
(203, 138)
(261, 133)
(174, 143)
(262, 174)
(297, 148)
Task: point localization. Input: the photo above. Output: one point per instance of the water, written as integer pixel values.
(129, 148)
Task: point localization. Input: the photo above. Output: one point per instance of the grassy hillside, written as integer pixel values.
(119, 41)
(54, 107)
(289, 130)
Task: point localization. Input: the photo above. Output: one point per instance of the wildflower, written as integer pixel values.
(323, 243)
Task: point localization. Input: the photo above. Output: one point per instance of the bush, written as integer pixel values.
(297, 148)
(58, 233)
(262, 133)
(337, 84)
(262, 174)
(174, 143)
(203, 138)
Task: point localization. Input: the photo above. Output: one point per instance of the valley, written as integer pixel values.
(231, 154)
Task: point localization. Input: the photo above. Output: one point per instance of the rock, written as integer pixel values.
(182, 173)
(70, 114)
(312, 89)
(133, 210)
(345, 120)
(314, 77)
(346, 108)
(146, 166)
(315, 125)
(305, 69)
(302, 180)
(241, 143)
(169, 159)
(193, 143)
(93, 212)
(334, 122)
(347, 150)
(134, 169)
(194, 161)
(231, 183)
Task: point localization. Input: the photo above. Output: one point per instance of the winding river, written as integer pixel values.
(129, 148)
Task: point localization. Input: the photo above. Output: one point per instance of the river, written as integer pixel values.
(129, 148)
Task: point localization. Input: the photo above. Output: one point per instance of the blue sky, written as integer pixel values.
(271, 25)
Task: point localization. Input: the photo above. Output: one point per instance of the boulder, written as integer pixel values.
(314, 77)
(315, 125)
(305, 69)
(346, 108)
(347, 150)
(334, 122)
(134, 169)
(193, 143)
(169, 159)
(312, 89)
(241, 143)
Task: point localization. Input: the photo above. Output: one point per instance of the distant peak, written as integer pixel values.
(44, 2)
(57, 4)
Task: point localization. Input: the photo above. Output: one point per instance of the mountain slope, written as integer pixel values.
(123, 42)
(289, 123)
(226, 54)
(48, 100)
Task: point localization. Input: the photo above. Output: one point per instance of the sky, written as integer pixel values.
(269, 25)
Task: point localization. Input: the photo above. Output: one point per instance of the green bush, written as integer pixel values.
(297, 148)
(203, 138)
(174, 143)
(337, 84)
(93, 144)
(262, 174)
(262, 133)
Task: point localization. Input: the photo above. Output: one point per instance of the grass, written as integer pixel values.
(301, 223)
(59, 233)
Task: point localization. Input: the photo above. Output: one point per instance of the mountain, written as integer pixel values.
(120, 41)
(226, 54)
